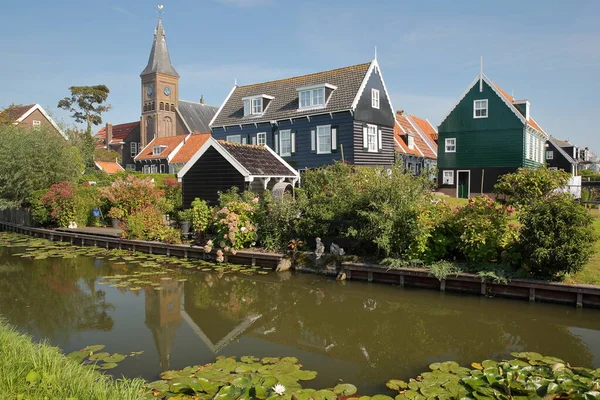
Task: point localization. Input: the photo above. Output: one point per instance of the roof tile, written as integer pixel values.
(190, 147)
(110, 167)
(14, 112)
(120, 133)
(170, 144)
(258, 160)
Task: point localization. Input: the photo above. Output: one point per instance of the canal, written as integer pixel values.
(361, 333)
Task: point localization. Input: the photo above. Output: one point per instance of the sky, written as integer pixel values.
(429, 51)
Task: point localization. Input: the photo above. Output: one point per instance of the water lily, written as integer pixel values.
(279, 389)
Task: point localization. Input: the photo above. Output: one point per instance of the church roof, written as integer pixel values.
(197, 116)
(159, 60)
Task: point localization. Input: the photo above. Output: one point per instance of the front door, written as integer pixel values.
(463, 184)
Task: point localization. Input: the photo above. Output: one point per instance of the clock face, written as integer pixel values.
(149, 90)
(167, 91)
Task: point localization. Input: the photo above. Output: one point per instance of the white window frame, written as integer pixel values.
(247, 109)
(321, 128)
(161, 168)
(234, 138)
(153, 169)
(480, 105)
(311, 98)
(372, 134)
(36, 123)
(157, 150)
(257, 105)
(448, 145)
(288, 134)
(411, 142)
(133, 149)
(261, 138)
(448, 177)
(375, 98)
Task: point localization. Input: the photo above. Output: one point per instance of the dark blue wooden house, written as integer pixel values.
(312, 120)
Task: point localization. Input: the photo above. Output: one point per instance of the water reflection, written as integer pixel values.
(354, 331)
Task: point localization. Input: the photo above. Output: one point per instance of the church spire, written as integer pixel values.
(159, 60)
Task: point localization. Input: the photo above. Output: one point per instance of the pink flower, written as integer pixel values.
(255, 200)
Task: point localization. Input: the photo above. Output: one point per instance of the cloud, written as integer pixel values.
(118, 9)
(245, 3)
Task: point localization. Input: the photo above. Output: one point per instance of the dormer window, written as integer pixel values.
(256, 105)
(314, 96)
(156, 150)
(411, 142)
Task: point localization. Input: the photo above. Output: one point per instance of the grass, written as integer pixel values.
(590, 274)
(31, 370)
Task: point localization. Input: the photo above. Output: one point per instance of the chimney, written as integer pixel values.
(108, 134)
(201, 99)
(400, 113)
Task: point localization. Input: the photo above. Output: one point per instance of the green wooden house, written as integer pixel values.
(485, 135)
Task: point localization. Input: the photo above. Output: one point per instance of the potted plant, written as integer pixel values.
(117, 214)
(185, 216)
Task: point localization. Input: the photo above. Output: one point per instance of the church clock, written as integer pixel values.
(149, 90)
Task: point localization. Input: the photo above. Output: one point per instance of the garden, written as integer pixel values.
(530, 230)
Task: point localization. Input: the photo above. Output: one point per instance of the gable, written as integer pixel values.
(500, 115)
(383, 115)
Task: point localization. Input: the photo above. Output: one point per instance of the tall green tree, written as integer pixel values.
(86, 104)
(34, 159)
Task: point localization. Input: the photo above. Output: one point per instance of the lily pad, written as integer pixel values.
(108, 366)
(345, 389)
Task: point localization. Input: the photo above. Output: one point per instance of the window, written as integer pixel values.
(480, 109)
(374, 98)
(257, 105)
(553, 168)
(162, 168)
(130, 167)
(156, 150)
(411, 142)
(153, 169)
(133, 146)
(261, 139)
(36, 122)
(448, 178)
(371, 138)
(451, 145)
(530, 152)
(549, 155)
(285, 138)
(312, 98)
(324, 139)
(234, 138)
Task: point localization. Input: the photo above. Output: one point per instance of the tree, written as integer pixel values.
(33, 159)
(529, 184)
(107, 155)
(86, 104)
(86, 145)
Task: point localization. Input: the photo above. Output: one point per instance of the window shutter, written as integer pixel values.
(313, 141)
(245, 140)
(293, 141)
(254, 140)
(334, 134)
(365, 139)
(380, 139)
(276, 143)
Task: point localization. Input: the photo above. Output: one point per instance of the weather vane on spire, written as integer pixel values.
(160, 10)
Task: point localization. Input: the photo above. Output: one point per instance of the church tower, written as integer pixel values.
(160, 91)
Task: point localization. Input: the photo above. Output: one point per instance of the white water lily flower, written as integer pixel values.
(279, 389)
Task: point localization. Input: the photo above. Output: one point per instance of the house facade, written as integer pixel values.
(314, 120)
(169, 154)
(561, 154)
(485, 135)
(415, 141)
(29, 116)
(163, 113)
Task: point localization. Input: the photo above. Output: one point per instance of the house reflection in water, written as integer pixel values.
(163, 317)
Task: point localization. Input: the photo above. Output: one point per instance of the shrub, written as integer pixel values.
(483, 229)
(61, 201)
(557, 236)
(173, 194)
(436, 238)
(133, 194)
(147, 224)
(201, 216)
(39, 211)
(528, 184)
(276, 220)
(234, 220)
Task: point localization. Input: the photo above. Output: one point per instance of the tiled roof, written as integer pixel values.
(110, 167)
(425, 127)
(406, 125)
(258, 160)
(285, 103)
(559, 146)
(400, 133)
(190, 147)
(119, 133)
(170, 144)
(511, 100)
(197, 115)
(14, 112)
(562, 143)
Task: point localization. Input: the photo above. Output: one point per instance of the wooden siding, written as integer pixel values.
(210, 174)
(490, 178)
(304, 157)
(383, 115)
(126, 158)
(496, 141)
(558, 160)
(384, 157)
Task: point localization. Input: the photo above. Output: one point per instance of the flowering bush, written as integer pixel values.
(436, 238)
(61, 200)
(173, 194)
(147, 224)
(133, 194)
(234, 223)
(201, 216)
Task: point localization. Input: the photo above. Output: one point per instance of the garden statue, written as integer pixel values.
(320, 250)
(72, 225)
(336, 250)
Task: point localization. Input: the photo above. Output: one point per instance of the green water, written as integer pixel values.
(361, 333)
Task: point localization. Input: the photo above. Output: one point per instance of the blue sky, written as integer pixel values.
(546, 51)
